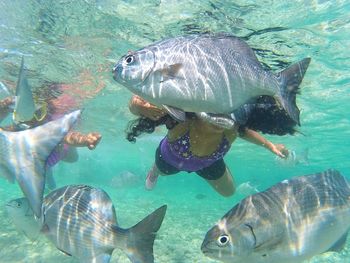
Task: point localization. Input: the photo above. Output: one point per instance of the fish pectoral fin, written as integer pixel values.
(170, 72)
(45, 229)
(339, 244)
(176, 113)
(64, 252)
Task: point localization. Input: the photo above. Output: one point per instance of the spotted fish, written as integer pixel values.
(214, 74)
(290, 222)
(23, 156)
(81, 221)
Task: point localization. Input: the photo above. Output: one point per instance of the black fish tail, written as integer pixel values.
(290, 79)
(140, 238)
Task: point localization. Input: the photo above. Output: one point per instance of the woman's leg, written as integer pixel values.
(152, 177)
(219, 177)
(159, 168)
(224, 185)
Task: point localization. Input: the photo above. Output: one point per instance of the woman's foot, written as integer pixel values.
(78, 139)
(152, 177)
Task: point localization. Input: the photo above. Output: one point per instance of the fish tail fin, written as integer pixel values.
(27, 153)
(290, 79)
(140, 238)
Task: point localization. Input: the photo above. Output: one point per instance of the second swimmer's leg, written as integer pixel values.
(219, 177)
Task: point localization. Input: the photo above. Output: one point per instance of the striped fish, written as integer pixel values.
(81, 222)
(23, 156)
(206, 73)
(290, 222)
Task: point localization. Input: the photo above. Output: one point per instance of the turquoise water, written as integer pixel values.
(78, 42)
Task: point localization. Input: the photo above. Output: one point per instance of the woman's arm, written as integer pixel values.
(141, 107)
(254, 137)
(79, 139)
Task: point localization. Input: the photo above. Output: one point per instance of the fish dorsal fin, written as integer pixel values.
(26, 153)
(220, 120)
(340, 244)
(170, 71)
(24, 103)
(176, 113)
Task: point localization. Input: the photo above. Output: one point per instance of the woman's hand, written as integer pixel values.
(77, 139)
(279, 149)
(141, 107)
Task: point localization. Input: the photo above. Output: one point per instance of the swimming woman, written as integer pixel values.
(53, 105)
(198, 146)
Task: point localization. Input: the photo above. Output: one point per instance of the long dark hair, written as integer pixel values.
(145, 125)
(264, 115)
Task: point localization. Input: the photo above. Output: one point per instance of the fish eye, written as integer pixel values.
(223, 240)
(19, 204)
(129, 59)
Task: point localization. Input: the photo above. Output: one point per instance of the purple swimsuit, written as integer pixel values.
(57, 154)
(179, 155)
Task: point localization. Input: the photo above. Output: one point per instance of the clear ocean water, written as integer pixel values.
(78, 42)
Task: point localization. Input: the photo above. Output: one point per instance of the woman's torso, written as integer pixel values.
(204, 138)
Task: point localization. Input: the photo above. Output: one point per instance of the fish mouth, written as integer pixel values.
(204, 248)
(9, 205)
(116, 70)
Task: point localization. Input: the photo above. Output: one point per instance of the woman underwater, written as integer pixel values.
(53, 105)
(198, 146)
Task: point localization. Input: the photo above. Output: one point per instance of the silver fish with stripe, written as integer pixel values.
(290, 222)
(81, 221)
(206, 73)
(23, 156)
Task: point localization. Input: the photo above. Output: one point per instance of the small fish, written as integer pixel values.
(292, 221)
(23, 156)
(81, 221)
(213, 74)
(23, 218)
(24, 103)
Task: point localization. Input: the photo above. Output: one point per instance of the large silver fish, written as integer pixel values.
(23, 156)
(206, 73)
(81, 221)
(289, 222)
